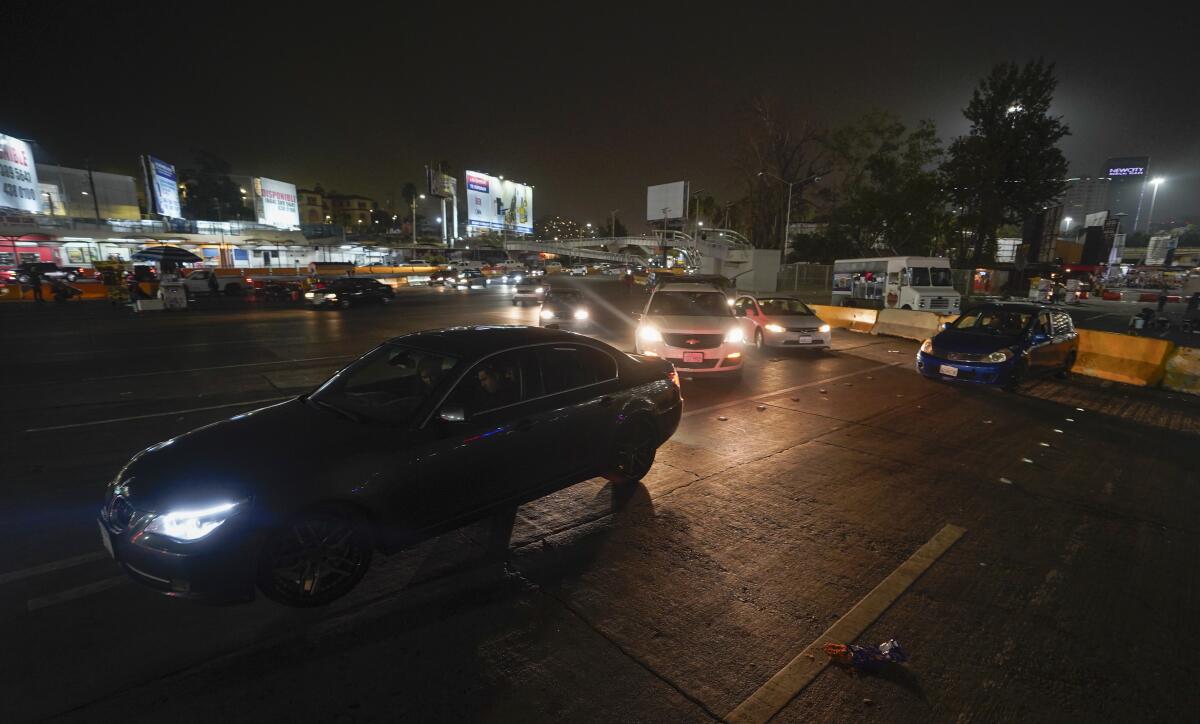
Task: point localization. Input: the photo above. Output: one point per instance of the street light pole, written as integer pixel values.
(414, 218)
(1153, 197)
(612, 224)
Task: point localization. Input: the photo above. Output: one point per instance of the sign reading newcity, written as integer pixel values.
(18, 176)
(1127, 166)
(495, 203)
(275, 203)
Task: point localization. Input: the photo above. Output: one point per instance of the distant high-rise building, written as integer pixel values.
(1084, 196)
(1127, 190)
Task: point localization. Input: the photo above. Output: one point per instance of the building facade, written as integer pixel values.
(69, 192)
(1083, 196)
(349, 210)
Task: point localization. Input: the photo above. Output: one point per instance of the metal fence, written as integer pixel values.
(810, 282)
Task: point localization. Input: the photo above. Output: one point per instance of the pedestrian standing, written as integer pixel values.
(1162, 300)
(213, 286)
(35, 283)
(1193, 305)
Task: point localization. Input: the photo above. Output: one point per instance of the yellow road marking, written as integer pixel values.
(772, 696)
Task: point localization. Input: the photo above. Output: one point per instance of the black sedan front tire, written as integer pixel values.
(315, 558)
(633, 452)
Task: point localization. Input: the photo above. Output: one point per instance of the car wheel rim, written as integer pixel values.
(758, 339)
(634, 457)
(314, 558)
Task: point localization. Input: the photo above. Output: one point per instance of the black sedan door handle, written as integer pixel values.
(524, 425)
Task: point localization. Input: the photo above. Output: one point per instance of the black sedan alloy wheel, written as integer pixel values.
(633, 454)
(314, 558)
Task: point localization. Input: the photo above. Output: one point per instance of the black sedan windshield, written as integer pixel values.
(387, 385)
(690, 304)
(999, 322)
(566, 299)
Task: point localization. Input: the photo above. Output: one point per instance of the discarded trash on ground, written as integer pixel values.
(722, 418)
(761, 408)
(1006, 481)
(866, 658)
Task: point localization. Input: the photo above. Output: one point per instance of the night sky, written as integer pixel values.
(589, 108)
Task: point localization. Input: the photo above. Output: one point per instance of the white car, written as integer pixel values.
(781, 322)
(579, 271)
(692, 326)
(529, 291)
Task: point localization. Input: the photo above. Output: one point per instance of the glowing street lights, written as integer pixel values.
(414, 217)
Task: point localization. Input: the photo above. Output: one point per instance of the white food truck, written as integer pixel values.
(896, 282)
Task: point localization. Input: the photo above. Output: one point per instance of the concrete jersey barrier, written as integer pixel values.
(907, 323)
(854, 319)
(1182, 370)
(1123, 358)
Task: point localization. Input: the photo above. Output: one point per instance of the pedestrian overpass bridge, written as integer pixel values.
(713, 251)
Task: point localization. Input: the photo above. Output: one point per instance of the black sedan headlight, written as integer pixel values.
(190, 525)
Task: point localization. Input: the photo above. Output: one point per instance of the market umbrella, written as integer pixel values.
(166, 253)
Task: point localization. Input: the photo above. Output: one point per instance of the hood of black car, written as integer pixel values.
(238, 458)
(952, 340)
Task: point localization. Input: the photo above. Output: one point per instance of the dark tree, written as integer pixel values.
(211, 194)
(778, 143)
(884, 194)
(609, 229)
(1009, 165)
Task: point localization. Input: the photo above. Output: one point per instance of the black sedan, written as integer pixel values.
(346, 293)
(424, 433)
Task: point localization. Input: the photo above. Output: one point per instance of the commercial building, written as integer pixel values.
(349, 210)
(83, 194)
(1083, 196)
(314, 207)
(1128, 177)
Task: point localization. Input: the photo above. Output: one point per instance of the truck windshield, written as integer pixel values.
(922, 276)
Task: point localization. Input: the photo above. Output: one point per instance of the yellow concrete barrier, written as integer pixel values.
(907, 323)
(856, 320)
(1182, 370)
(1122, 358)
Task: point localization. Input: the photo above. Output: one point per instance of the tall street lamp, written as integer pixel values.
(414, 217)
(612, 222)
(1150, 216)
(788, 222)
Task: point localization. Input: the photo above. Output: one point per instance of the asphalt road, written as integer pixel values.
(785, 504)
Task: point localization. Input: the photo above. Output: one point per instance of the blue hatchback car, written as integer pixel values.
(1001, 343)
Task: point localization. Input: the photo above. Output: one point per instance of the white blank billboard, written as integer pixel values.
(493, 203)
(672, 197)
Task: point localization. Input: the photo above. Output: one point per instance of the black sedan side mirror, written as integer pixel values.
(945, 326)
(452, 413)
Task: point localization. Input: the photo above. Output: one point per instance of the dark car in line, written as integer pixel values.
(425, 433)
(565, 309)
(348, 292)
(1001, 343)
(469, 279)
(47, 270)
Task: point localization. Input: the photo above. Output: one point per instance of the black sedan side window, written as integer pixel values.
(493, 383)
(568, 366)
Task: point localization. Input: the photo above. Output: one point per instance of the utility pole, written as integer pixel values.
(612, 224)
(414, 218)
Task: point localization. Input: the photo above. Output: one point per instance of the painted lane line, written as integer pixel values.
(52, 566)
(785, 390)
(159, 414)
(774, 695)
(71, 594)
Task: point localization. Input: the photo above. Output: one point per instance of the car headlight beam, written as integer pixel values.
(1001, 355)
(186, 526)
(547, 314)
(649, 333)
(927, 346)
(824, 329)
(735, 336)
(776, 328)
(581, 314)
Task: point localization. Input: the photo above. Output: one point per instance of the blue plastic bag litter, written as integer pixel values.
(865, 658)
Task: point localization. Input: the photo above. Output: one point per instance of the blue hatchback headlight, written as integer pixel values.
(1002, 355)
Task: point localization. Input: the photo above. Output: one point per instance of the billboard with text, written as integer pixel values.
(18, 176)
(1127, 167)
(275, 203)
(163, 185)
(499, 204)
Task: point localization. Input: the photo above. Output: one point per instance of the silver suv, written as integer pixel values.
(692, 326)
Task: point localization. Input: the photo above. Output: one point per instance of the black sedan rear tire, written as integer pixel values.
(633, 451)
(314, 558)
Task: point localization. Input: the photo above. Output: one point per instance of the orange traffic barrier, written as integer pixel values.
(1123, 358)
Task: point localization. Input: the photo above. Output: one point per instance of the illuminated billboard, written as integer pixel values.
(18, 176)
(163, 187)
(1127, 167)
(666, 201)
(441, 185)
(498, 204)
(275, 203)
